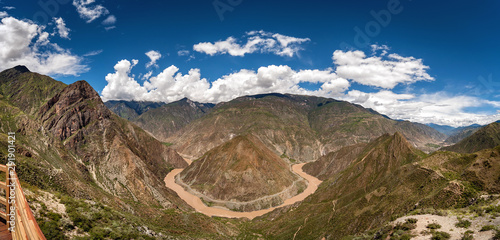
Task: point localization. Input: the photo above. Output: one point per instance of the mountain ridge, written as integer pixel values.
(485, 137)
(303, 127)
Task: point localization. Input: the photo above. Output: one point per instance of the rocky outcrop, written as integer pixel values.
(70, 111)
(120, 157)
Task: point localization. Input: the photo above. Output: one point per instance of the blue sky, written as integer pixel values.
(415, 60)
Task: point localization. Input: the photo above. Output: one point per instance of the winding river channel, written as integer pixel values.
(198, 205)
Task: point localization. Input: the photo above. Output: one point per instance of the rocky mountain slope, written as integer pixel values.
(388, 178)
(166, 120)
(455, 134)
(486, 137)
(243, 170)
(120, 157)
(302, 127)
(130, 110)
(160, 119)
(107, 171)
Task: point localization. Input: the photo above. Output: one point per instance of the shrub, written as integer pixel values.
(492, 209)
(440, 236)
(411, 220)
(487, 228)
(467, 235)
(51, 230)
(406, 226)
(497, 235)
(433, 226)
(462, 223)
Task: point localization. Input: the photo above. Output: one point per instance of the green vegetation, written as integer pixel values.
(497, 235)
(400, 231)
(440, 235)
(432, 145)
(468, 235)
(492, 209)
(408, 225)
(99, 221)
(487, 228)
(463, 223)
(433, 226)
(167, 144)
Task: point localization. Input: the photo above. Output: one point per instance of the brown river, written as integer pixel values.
(198, 205)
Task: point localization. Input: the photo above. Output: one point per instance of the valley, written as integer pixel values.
(267, 166)
(195, 201)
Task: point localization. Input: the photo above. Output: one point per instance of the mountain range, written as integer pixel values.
(106, 164)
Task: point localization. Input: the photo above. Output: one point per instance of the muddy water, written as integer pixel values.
(198, 205)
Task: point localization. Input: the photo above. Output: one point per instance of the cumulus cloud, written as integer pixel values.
(378, 71)
(171, 85)
(153, 56)
(3, 14)
(88, 10)
(61, 28)
(438, 108)
(23, 42)
(256, 41)
(9, 7)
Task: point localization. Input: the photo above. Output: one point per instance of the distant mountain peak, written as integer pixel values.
(486, 137)
(13, 72)
(21, 69)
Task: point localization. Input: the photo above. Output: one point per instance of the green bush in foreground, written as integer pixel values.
(497, 235)
(440, 236)
(462, 223)
(433, 226)
(487, 228)
(468, 235)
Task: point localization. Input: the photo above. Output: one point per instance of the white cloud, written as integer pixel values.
(153, 56)
(147, 75)
(109, 28)
(3, 14)
(9, 7)
(376, 47)
(23, 42)
(93, 53)
(110, 20)
(88, 11)
(441, 108)
(121, 85)
(379, 72)
(256, 41)
(183, 52)
(61, 28)
(170, 85)
(438, 108)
